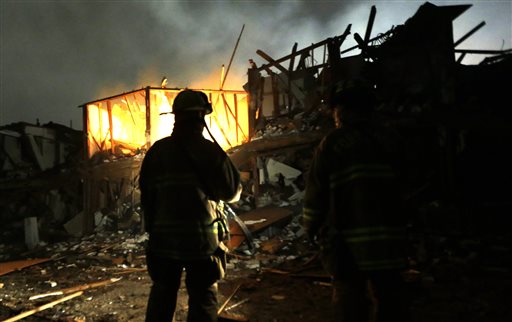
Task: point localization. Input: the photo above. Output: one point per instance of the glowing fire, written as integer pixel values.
(120, 124)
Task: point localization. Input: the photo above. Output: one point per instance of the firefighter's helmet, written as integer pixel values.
(189, 101)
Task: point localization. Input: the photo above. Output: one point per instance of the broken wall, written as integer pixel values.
(39, 178)
(451, 117)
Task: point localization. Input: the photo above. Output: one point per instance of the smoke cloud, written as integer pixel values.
(57, 55)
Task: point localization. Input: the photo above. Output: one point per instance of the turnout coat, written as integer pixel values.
(183, 177)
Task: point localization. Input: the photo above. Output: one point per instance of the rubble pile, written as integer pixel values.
(109, 268)
(92, 263)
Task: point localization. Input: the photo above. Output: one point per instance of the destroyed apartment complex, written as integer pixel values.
(72, 236)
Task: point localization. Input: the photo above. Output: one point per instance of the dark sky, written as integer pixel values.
(56, 55)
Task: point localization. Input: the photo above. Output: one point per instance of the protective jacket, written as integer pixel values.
(182, 179)
(352, 202)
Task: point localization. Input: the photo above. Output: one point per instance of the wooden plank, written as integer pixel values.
(468, 34)
(272, 216)
(43, 307)
(76, 288)
(8, 267)
(221, 308)
(237, 237)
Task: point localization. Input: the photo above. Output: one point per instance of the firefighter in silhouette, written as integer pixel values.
(352, 209)
(182, 180)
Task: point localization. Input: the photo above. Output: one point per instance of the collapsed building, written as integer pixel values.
(454, 120)
(39, 177)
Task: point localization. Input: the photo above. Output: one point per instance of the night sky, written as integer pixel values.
(56, 55)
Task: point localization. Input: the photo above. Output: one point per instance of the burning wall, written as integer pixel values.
(130, 122)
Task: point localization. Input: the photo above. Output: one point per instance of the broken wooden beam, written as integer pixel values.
(43, 307)
(8, 267)
(272, 62)
(130, 270)
(243, 154)
(232, 56)
(300, 52)
(483, 51)
(369, 26)
(76, 288)
(232, 306)
(221, 308)
(469, 33)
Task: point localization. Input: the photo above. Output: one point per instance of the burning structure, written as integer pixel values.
(123, 124)
(451, 115)
(454, 120)
(126, 125)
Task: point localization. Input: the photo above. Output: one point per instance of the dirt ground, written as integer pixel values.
(286, 285)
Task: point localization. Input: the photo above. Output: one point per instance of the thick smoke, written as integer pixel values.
(56, 55)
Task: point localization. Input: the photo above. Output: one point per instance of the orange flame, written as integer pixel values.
(121, 123)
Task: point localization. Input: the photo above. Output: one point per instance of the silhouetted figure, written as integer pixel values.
(352, 208)
(182, 180)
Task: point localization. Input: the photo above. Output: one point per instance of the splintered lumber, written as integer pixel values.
(131, 270)
(8, 267)
(43, 307)
(76, 288)
(221, 308)
(275, 271)
(232, 306)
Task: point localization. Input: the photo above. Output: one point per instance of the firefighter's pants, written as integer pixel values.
(201, 282)
(372, 296)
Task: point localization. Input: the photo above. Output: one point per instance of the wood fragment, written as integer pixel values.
(232, 306)
(76, 288)
(322, 283)
(8, 267)
(221, 308)
(273, 245)
(275, 271)
(43, 307)
(131, 270)
(229, 317)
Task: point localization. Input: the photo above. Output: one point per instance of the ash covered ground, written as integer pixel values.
(458, 280)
